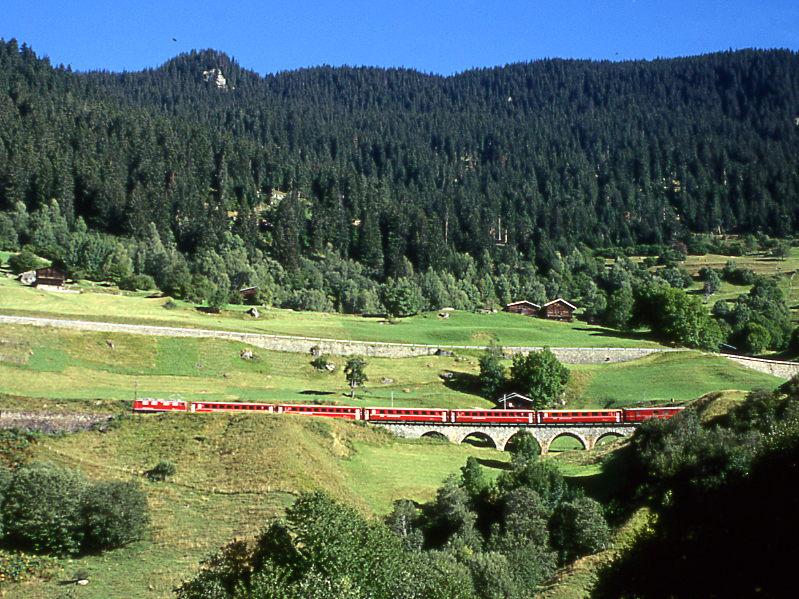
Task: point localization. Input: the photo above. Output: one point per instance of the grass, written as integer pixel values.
(233, 474)
(461, 328)
(62, 365)
(66, 366)
(669, 377)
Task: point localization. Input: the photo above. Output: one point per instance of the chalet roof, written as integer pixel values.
(511, 396)
(529, 303)
(561, 301)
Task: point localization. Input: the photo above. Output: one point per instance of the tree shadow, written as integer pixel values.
(605, 332)
(463, 382)
(314, 392)
(497, 464)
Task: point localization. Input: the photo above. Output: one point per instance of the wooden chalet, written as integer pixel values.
(51, 276)
(523, 307)
(514, 401)
(249, 293)
(558, 309)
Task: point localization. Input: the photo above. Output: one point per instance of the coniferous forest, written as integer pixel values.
(324, 186)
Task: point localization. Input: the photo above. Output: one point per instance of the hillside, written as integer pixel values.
(233, 473)
(533, 156)
(63, 366)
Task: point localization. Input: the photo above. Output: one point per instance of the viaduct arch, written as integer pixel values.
(501, 435)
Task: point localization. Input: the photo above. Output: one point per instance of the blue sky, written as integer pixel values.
(440, 36)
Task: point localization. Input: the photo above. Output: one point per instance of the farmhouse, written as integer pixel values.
(49, 277)
(558, 309)
(523, 307)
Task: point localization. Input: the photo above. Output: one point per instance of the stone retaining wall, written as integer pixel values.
(45, 422)
(781, 369)
(378, 349)
(285, 343)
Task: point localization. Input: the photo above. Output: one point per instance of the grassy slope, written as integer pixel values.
(664, 377)
(462, 328)
(233, 473)
(62, 365)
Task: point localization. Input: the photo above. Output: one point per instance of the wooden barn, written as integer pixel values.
(54, 277)
(249, 294)
(558, 309)
(523, 307)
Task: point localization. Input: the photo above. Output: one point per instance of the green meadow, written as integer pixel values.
(461, 328)
(63, 365)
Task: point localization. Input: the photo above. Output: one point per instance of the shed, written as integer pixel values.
(249, 294)
(523, 307)
(515, 401)
(558, 309)
(50, 276)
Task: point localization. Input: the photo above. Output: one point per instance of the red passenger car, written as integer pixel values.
(578, 416)
(226, 406)
(345, 412)
(634, 415)
(405, 415)
(159, 405)
(493, 416)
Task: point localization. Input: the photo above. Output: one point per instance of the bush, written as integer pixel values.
(137, 282)
(578, 528)
(755, 338)
(15, 447)
(115, 514)
(24, 261)
(737, 276)
(42, 509)
(161, 471)
(321, 362)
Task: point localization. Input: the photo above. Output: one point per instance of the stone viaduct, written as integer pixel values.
(500, 435)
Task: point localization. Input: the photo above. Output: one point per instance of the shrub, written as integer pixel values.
(755, 338)
(321, 362)
(42, 509)
(24, 261)
(115, 514)
(161, 471)
(15, 447)
(578, 528)
(137, 282)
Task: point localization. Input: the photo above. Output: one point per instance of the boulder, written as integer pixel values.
(27, 277)
(246, 354)
(254, 312)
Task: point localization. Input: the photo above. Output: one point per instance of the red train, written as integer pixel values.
(420, 415)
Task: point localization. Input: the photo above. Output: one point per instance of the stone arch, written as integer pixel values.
(435, 435)
(569, 434)
(509, 443)
(608, 436)
(485, 437)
